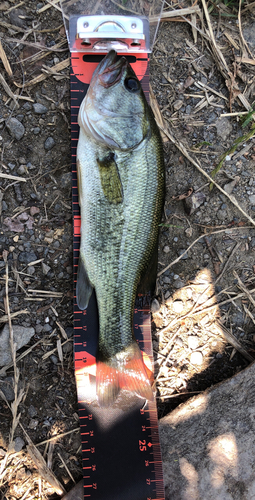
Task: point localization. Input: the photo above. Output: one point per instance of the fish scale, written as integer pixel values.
(121, 178)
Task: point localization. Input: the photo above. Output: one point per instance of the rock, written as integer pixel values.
(222, 215)
(45, 268)
(208, 443)
(196, 358)
(4, 5)
(252, 199)
(178, 283)
(27, 106)
(193, 342)
(26, 257)
(177, 306)
(193, 202)
(66, 180)
(155, 306)
(47, 328)
(248, 33)
(38, 328)
(179, 341)
(166, 249)
(49, 143)
(31, 270)
(76, 493)
(32, 412)
(15, 128)
(17, 17)
(223, 127)
(21, 337)
(230, 186)
(167, 280)
(6, 385)
(33, 423)
(37, 130)
(39, 109)
(18, 444)
(184, 254)
(22, 169)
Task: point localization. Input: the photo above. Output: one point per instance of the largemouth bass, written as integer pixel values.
(120, 175)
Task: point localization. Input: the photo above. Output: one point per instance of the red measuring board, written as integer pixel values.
(120, 444)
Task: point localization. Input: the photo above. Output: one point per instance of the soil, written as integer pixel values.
(36, 233)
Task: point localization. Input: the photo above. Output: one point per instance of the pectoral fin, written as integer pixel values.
(110, 179)
(83, 286)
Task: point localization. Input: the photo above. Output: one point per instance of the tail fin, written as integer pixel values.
(125, 370)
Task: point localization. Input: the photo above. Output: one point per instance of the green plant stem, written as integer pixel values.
(230, 151)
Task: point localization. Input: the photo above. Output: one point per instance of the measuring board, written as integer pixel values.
(120, 444)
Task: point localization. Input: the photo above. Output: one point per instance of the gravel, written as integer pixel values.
(49, 143)
(15, 127)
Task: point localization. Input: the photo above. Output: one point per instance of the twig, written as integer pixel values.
(201, 85)
(57, 67)
(241, 31)
(180, 146)
(233, 251)
(17, 397)
(5, 317)
(4, 368)
(66, 468)
(178, 394)
(175, 13)
(192, 244)
(6, 63)
(47, 6)
(203, 310)
(231, 340)
(9, 176)
(244, 289)
(58, 436)
(39, 461)
(249, 313)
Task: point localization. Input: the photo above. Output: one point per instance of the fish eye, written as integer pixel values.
(131, 84)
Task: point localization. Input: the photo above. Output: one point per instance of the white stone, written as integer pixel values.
(177, 306)
(196, 358)
(193, 342)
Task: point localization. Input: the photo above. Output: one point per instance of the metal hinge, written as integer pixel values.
(121, 33)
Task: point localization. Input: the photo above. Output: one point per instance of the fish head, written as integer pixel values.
(115, 111)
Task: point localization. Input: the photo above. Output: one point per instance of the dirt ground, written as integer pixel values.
(203, 310)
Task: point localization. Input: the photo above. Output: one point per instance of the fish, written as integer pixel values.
(120, 176)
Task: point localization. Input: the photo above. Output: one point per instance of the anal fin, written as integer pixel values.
(83, 286)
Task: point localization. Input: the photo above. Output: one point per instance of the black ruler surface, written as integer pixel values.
(120, 444)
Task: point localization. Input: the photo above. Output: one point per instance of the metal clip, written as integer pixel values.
(121, 33)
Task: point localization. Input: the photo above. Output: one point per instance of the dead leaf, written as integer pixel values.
(183, 196)
(194, 201)
(34, 210)
(18, 225)
(14, 225)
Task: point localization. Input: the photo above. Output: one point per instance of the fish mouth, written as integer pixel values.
(110, 70)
